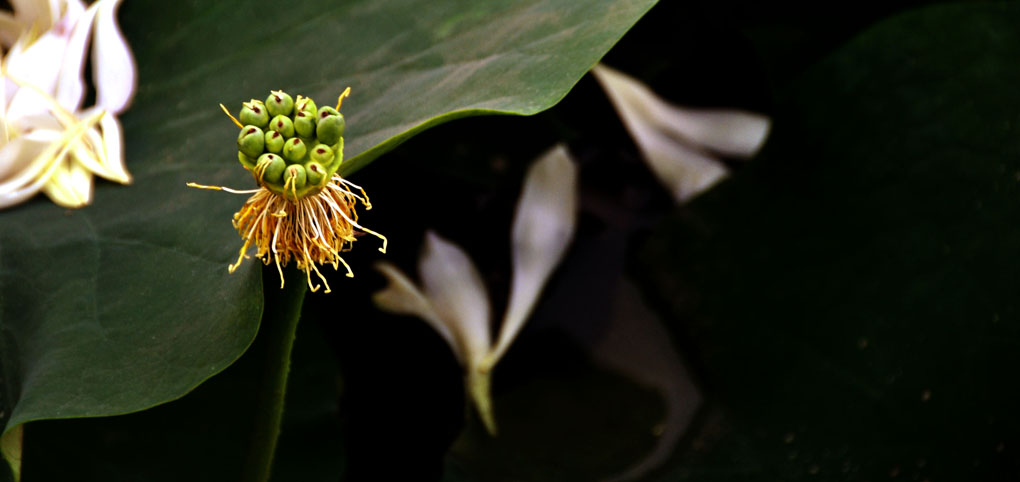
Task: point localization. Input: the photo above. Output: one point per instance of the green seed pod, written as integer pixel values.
(326, 110)
(306, 104)
(316, 173)
(283, 125)
(322, 154)
(294, 150)
(304, 124)
(297, 173)
(330, 129)
(251, 141)
(279, 103)
(246, 161)
(254, 113)
(271, 166)
(274, 142)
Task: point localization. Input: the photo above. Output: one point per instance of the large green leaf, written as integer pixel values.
(127, 303)
(205, 436)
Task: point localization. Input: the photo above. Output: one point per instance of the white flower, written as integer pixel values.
(48, 142)
(453, 299)
(680, 144)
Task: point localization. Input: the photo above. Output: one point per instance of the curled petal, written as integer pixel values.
(677, 142)
(543, 227)
(401, 296)
(112, 65)
(456, 291)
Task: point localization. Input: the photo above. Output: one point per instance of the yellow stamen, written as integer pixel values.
(340, 100)
(225, 111)
(221, 188)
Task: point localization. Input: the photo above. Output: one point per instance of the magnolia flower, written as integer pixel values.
(48, 142)
(453, 299)
(679, 144)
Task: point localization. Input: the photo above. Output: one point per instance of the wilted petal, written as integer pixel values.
(677, 142)
(455, 289)
(71, 84)
(113, 67)
(401, 296)
(543, 226)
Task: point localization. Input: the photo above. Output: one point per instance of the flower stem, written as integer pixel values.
(274, 344)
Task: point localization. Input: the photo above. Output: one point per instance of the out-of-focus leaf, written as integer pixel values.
(204, 435)
(127, 303)
(850, 298)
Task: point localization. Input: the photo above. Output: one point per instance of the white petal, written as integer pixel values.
(16, 156)
(22, 156)
(5, 130)
(401, 296)
(675, 141)
(543, 227)
(732, 133)
(456, 291)
(113, 67)
(29, 181)
(684, 170)
(728, 132)
(71, 84)
(35, 65)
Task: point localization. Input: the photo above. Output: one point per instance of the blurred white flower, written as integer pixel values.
(680, 144)
(48, 142)
(453, 299)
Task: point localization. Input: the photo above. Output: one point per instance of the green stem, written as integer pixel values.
(275, 341)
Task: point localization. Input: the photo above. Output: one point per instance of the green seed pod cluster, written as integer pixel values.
(291, 146)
